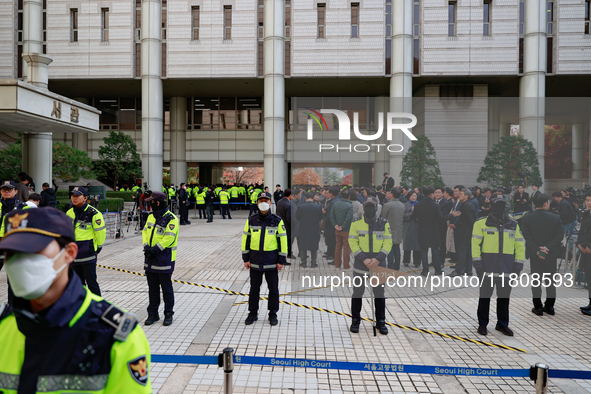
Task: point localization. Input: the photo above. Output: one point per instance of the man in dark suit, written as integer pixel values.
(521, 201)
(388, 182)
(444, 205)
(543, 233)
(309, 216)
(584, 245)
(429, 218)
(463, 234)
(536, 190)
(284, 212)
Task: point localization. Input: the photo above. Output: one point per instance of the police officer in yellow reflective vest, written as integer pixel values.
(224, 202)
(160, 238)
(57, 336)
(370, 241)
(497, 248)
(91, 232)
(200, 199)
(264, 250)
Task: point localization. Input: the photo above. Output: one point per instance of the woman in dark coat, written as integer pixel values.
(410, 233)
(309, 216)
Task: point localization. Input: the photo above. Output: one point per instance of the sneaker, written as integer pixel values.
(505, 330)
(482, 330)
(355, 325)
(273, 320)
(252, 317)
(381, 326)
(167, 319)
(151, 320)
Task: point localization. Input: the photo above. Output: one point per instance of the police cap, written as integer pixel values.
(31, 230)
(9, 184)
(79, 191)
(157, 196)
(371, 200)
(264, 195)
(497, 198)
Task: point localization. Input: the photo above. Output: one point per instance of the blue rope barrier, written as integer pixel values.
(371, 367)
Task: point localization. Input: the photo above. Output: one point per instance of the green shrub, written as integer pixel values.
(62, 193)
(126, 196)
(112, 204)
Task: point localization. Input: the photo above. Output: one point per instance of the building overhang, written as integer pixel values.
(25, 108)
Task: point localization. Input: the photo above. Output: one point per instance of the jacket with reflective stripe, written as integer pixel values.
(224, 197)
(91, 232)
(264, 242)
(200, 197)
(368, 241)
(171, 192)
(71, 350)
(5, 208)
(254, 195)
(497, 248)
(161, 230)
(234, 192)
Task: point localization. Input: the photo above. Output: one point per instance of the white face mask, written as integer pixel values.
(263, 206)
(31, 274)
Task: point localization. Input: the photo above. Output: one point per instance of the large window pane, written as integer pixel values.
(206, 113)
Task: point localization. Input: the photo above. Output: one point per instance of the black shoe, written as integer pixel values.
(355, 325)
(188, 222)
(183, 224)
(431, 264)
(549, 310)
(167, 319)
(151, 320)
(423, 273)
(586, 308)
(406, 264)
(252, 317)
(538, 311)
(313, 265)
(505, 330)
(438, 272)
(468, 273)
(454, 274)
(381, 326)
(586, 312)
(482, 330)
(416, 265)
(291, 256)
(273, 320)
(303, 264)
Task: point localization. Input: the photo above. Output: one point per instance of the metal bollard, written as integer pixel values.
(539, 374)
(228, 364)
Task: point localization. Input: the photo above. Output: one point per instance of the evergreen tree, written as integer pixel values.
(70, 164)
(510, 162)
(420, 166)
(118, 159)
(11, 159)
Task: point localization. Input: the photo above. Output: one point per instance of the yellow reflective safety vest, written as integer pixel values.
(254, 196)
(6, 207)
(91, 232)
(369, 241)
(84, 345)
(200, 197)
(160, 234)
(171, 192)
(264, 242)
(497, 247)
(224, 197)
(234, 191)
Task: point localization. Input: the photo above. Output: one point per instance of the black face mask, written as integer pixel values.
(497, 210)
(370, 210)
(154, 205)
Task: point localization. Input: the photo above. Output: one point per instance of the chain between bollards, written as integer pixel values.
(539, 374)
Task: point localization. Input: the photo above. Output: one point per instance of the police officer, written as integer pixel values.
(497, 248)
(234, 192)
(224, 200)
(200, 200)
(267, 231)
(160, 238)
(57, 336)
(370, 241)
(91, 232)
(254, 194)
(209, 200)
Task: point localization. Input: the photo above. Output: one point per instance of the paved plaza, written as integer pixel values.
(207, 321)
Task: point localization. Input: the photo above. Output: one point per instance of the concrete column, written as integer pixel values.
(178, 146)
(38, 158)
(274, 94)
(532, 85)
(401, 81)
(494, 119)
(579, 154)
(152, 95)
(505, 130)
(80, 140)
(243, 119)
(32, 30)
(382, 158)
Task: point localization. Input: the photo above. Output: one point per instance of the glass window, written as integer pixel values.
(109, 116)
(486, 18)
(451, 18)
(74, 25)
(354, 20)
(227, 113)
(105, 24)
(206, 113)
(195, 22)
(227, 22)
(587, 15)
(321, 19)
(250, 113)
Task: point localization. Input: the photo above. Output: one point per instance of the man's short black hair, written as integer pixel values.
(428, 190)
(34, 197)
(333, 190)
(449, 191)
(45, 184)
(386, 174)
(587, 195)
(540, 199)
(379, 187)
(557, 194)
(287, 192)
(395, 192)
(309, 195)
(554, 204)
(438, 188)
(277, 185)
(345, 194)
(487, 189)
(459, 187)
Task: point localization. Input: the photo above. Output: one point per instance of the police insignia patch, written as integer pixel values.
(138, 368)
(171, 226)
(98, 222)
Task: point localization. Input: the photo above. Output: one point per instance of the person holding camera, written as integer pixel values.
(160, 237)
(584, 245)
(543, 233)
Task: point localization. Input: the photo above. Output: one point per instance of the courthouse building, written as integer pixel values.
(216, 83)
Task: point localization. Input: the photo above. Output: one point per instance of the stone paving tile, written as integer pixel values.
(209, 254)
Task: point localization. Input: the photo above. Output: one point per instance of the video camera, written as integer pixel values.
(577, 196)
